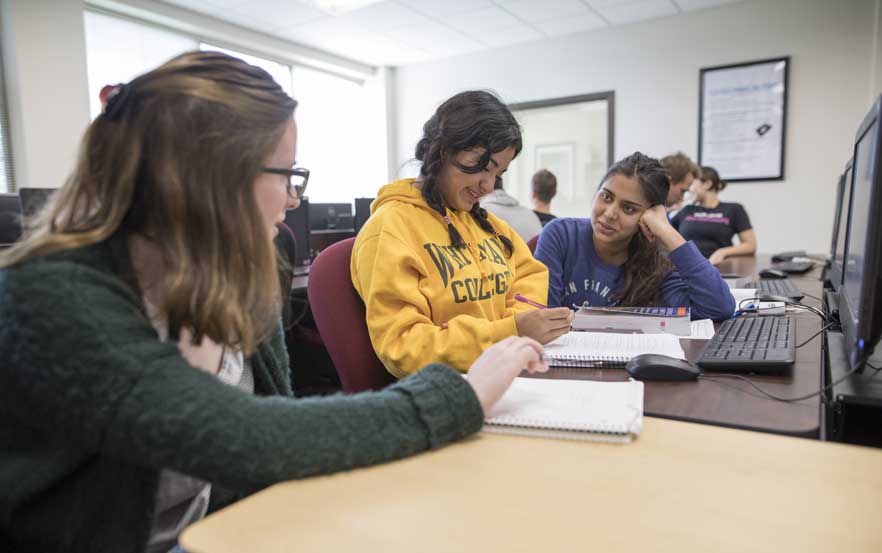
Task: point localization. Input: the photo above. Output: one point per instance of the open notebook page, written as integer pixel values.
(611, 344)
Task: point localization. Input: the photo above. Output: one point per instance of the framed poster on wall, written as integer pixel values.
(559, 159)
(742, 119)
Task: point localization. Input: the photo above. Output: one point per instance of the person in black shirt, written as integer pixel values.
(544, 188)
(711, 223)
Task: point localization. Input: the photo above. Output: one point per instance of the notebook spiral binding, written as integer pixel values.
(603, 436)
(586, 361)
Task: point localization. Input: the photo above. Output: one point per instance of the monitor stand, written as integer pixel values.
(855, 410)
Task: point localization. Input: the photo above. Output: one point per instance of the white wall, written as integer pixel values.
(44, 54)
(877, 49)
(653, 67)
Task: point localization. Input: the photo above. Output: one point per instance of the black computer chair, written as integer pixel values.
(10, 219)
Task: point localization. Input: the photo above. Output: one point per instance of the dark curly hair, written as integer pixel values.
(646, 267)
(472, 119)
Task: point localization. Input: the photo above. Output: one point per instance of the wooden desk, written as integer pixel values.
(733, 403)
(679, 487)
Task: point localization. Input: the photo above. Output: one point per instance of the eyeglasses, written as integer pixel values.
(297, 179)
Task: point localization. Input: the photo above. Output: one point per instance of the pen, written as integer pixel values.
(521, 298)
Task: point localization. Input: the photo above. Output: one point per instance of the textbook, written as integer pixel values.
(569, 409)
(608, 349)
(649, 320)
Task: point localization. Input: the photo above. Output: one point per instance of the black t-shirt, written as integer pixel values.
(711, 228)
(544, 218)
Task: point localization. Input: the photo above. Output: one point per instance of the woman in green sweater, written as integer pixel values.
(142, 366)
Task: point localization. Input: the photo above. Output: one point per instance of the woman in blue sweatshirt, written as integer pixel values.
(617, 257)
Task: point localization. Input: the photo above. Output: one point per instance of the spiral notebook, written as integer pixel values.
(608, 349)
(569, 409)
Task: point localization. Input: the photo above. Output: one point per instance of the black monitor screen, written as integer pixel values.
(33, 200)
(298, 221)
(362, 212)
(864, 159)
(860, 305)
(840, 230)
(330, 217)
(10, 219)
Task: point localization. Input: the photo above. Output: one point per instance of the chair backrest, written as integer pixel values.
(10, 219)
(340, 317)
(531, 243)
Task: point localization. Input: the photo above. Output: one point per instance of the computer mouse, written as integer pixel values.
(653, 366)
(772, 273)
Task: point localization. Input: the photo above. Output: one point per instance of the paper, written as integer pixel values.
(573, 405)
(741, 294)
(614, 345)
(701, 330)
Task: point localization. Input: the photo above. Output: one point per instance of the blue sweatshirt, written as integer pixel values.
(576, 273)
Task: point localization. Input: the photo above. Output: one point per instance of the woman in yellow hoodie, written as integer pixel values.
(437, 273)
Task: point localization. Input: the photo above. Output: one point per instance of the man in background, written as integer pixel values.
(506, 207)
(544, 188)
(682, 171)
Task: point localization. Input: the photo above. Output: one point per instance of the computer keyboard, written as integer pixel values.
(782, 287)
(751, 344)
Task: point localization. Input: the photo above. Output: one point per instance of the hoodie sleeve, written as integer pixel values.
(552, 251)
(386, 275)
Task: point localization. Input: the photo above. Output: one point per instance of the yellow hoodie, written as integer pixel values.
(412, 281)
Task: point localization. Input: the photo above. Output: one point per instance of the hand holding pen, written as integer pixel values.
(543, 324)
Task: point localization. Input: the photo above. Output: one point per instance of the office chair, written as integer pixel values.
(340, 318)
(531, 243)
(10, 219)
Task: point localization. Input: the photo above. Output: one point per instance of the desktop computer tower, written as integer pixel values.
(854, 413)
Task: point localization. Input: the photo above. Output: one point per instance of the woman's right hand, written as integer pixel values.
(492, 373)
(544, 325)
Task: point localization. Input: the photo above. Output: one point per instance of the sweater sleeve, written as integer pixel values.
(387, 275)
(551, 250)
(697, 284)
(83, 363)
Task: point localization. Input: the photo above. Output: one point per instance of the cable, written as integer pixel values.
(812, 337)
(814, 310)
(787, 399)
(812, 297)
(795, 304)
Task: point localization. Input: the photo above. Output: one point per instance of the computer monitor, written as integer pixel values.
(840, 227)
(33, 200)
(362, 212)
(860, 306)
(298, 221)
(10, 219)
(330, 217)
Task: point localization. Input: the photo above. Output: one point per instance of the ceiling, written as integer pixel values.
(402, 32)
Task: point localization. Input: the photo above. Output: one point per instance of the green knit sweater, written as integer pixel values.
(93, 405)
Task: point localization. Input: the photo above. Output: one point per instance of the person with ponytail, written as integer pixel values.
(437, 273)
(143, 371)
(627, 253)
(711, 224)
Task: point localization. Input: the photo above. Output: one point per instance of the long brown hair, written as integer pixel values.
(173, 158)
(646, 268)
